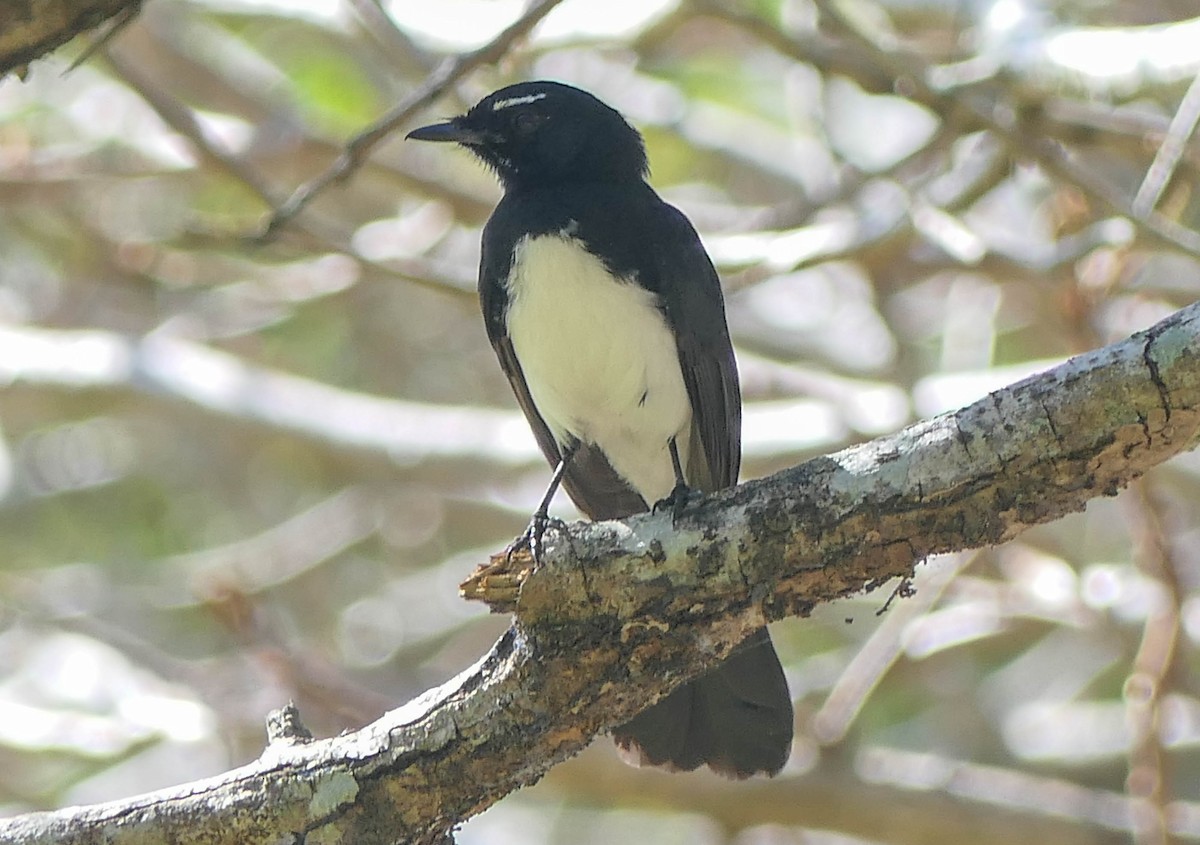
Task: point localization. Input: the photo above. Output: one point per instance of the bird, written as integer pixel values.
(607, 317)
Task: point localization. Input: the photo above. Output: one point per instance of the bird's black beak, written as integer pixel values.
(451, 130)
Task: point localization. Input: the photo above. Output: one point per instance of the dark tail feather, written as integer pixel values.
(737, 719)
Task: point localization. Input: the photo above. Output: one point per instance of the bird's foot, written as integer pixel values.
(677, 501)
(533, 535)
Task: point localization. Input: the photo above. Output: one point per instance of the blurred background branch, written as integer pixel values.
(237, 473)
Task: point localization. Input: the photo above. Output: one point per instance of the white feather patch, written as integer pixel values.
(517, 101)
(599, 359)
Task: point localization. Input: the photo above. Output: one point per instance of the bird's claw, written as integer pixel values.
(676, 501)
(532, 537)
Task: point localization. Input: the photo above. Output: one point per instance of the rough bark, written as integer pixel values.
(620, 612)
(31, 28)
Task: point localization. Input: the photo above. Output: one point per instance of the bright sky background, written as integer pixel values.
(1021, 32)
(464, 24)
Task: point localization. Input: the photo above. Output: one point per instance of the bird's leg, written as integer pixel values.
(531, 538)
(677, 499)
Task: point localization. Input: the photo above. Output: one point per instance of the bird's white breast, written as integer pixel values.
(599, 359)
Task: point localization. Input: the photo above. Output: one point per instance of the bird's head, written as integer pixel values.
(546, 133)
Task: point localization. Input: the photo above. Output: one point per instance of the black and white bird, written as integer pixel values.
(607, 317)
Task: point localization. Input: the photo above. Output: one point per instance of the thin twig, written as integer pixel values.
(446, 74)
(183, 120)
(114, 28)
(400, 49)
(1150, 675)
(1170, 151)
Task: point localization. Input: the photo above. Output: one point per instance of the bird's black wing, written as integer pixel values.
(691, 297)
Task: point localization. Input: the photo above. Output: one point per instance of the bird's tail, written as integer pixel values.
(737, 719)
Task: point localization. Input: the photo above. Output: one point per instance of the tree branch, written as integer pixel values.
(621, 612)
(32, 28)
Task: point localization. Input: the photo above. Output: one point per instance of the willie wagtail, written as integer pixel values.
(607, 317)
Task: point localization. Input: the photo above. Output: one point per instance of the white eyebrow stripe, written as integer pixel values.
(517, 101)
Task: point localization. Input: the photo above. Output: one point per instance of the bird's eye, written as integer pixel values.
(526, 122)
